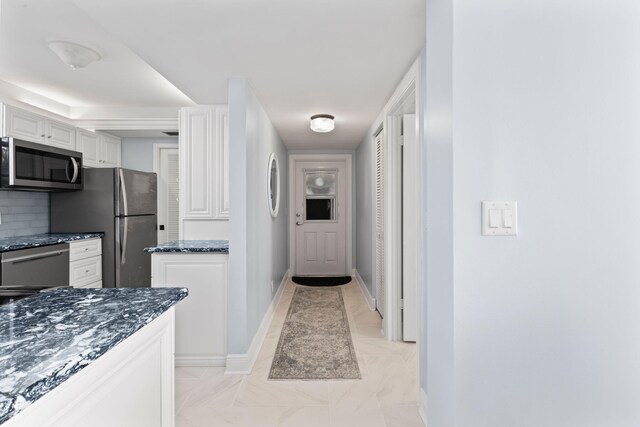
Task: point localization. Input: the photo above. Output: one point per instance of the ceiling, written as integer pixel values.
(342, 57)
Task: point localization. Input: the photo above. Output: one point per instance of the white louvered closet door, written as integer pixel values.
(168, 187)
(380, 285)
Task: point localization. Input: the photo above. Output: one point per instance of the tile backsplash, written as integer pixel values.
(23, 213)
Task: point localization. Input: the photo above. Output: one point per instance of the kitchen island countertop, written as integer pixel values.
(49, 337)
(192, 246)
(25, 242)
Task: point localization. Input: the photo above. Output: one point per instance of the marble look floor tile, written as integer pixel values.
(182, 421)
(303, 416)
(375, 347)
(364, 330)
(215, 392)
(357, 414)
(260, 392)
(262, 366)
(183, 389)
(397, 385)
(349, 391)
(386, 395)
(189, 372)
(230, 416)
(402, 416)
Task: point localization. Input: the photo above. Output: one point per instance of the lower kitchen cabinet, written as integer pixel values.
(131, 385)
(201, 319)
(85, 263)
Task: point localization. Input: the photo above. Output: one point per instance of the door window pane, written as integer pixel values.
(320, 209)
(320, 183)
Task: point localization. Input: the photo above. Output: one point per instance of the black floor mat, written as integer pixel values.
(321, 281)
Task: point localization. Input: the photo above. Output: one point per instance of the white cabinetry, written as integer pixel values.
(98, 150)
(110, 147)
(201, 319)
(131, 385)
(85, 263)
(204, 157)
(89, 144)
(29, 126)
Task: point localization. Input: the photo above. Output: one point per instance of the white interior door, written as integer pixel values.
(320, 218)
(166, 161)
(380, 282)
(410, 274)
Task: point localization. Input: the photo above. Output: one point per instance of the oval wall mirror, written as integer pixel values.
(273, 185)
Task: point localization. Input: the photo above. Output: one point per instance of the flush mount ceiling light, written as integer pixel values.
(73, 54)
(322, 123)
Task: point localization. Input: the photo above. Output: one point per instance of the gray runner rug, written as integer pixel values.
(315, 343)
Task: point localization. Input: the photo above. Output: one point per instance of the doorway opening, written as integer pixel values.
(398, 222)
(166, 164)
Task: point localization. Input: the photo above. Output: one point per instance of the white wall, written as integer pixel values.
(258, 252)
(137, 153)
(545, 106)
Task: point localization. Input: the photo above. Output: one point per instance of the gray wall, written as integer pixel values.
(436, 348)
(137, 153)
(259, 246)
(538, 104)
(23, 213)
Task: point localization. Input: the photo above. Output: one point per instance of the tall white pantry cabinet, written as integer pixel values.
(201, 319)
(204, 172)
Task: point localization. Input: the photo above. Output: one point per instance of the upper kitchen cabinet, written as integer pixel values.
(111, 151)
(89, 144)
(98, 150)
(204, 157)
(29, 126)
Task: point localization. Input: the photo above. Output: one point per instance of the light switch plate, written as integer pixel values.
(499, 219)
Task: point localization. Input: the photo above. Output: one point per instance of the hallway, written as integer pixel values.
(385, 396)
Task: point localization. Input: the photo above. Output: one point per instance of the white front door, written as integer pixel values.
(320, 216)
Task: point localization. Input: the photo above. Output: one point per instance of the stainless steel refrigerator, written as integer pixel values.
(121, 203)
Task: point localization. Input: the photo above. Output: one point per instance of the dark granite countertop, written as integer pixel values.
(25, 242)
(195, 246)
(47, 338)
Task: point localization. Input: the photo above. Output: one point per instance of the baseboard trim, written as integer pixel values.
(422, 406)
(200, 361)
(243, 363)
(371, 301)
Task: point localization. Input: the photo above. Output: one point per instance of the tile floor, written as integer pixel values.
(385, 396)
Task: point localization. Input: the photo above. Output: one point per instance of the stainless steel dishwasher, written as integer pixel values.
(41, 267)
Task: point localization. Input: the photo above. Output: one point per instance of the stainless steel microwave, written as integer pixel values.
(30, 166)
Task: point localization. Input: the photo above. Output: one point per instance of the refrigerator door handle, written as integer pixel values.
(123, 240)
(123, 189)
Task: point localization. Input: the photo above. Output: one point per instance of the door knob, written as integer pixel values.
(298, 223)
